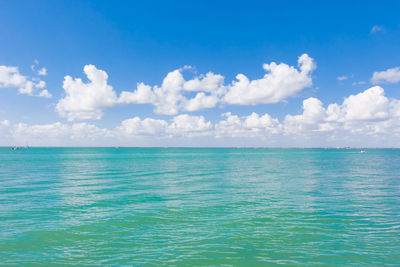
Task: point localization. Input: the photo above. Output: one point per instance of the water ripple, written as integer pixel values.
(228, 207)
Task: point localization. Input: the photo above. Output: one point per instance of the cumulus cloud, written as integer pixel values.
(368, 105)
(182, 125)
(200, 101)
(389, 76)
(177, 94)
(189, 125)
(45, 93)
(313, 115)
(368, 114)
(171, 97)
(10, 77)
(136, 126)
(280, 81)
(249, 126)
(130, 130)
(86, 100)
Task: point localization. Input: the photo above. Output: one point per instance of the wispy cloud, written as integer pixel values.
(376, 29)
(359, 83)
(342, 78)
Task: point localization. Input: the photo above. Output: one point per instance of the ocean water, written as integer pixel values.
(199, 207)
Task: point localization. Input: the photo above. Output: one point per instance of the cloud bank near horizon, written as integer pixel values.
(369, 117)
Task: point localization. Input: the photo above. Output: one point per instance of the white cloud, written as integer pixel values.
(211, 83)
(368, 105)
(189, 125)
(129, 131)
(366, 118)
(148, 126)
(176, 94)
(200, 101)
(59, 134)
(249, 126)
(359, 83)
(170, 98)
(389, 76)
(10, 77)
(182, 125)
(45, 93)
(369, 112)
(86, 100)
(313, 115)
(142, 95)
(35, 63)
(342, 78)
(377, 28)
(280, 82)
(4, 123)
(42, 72)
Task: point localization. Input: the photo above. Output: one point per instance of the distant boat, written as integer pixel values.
(16, 148)
(362, 151)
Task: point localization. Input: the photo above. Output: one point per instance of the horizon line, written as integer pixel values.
(206, 147)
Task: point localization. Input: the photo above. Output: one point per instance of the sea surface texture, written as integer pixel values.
(191, 207)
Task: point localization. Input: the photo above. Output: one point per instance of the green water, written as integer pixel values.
(190, 207)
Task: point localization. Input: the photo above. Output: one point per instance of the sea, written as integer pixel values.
(199, 207)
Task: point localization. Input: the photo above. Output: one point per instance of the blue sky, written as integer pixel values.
(143, 41)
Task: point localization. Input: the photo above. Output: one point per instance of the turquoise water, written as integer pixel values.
(241, 207)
